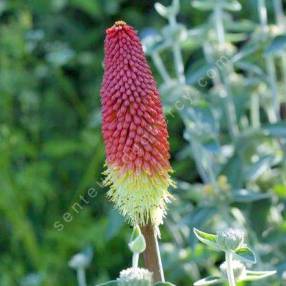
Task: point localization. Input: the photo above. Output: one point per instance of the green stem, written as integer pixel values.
(280, 19)
(179, 62)
(218, 14)
(224, 91)
(283, 63)
(229, 107)
(278, 8)
(262, 15)
(201, 168)
(135, 260)
(270, 64)
(177, 53)
(255, 114)
(160, 67)
(81, 277)
(229, 104)
(160, 260)
(229, 270)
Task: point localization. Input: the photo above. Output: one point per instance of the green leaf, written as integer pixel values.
(198, 72)
(206, 5)
(167, 12)
(259, 167)
(203, 5)
(210, 280)
(249, 67)
(235, 37)
(177, 33)
(277, 45)
(206, 238)
(246, 254)
(164, 284)
(246, 196)
(257, 275)
(240, 25)
(276, 129)
(161, 9)
(109, 283)
(280, 190)
(247, 50)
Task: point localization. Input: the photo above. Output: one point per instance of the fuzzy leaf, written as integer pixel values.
(207, 5)
(206, 238)
(167, 12)
(259, 167)
(210, 280)
(246, 196)
(246, 254)
(276, 129)
(277, 45)
(161, 9)
(257, 275)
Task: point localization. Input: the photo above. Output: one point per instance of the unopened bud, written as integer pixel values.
(137, 242)
(230, 239)
(138, 245)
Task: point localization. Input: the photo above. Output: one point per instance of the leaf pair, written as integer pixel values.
(243, 252)
(249, 276)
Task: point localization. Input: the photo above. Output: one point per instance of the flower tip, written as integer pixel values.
(119, 23)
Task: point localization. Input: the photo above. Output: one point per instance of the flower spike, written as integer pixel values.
(134, 130)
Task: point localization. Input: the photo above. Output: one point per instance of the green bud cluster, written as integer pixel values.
(230, 239)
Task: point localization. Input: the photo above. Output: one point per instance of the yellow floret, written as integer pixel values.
(140, 197)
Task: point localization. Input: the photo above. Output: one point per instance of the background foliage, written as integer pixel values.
(227, 140)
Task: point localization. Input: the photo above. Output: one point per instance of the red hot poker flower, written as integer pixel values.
(134, 130)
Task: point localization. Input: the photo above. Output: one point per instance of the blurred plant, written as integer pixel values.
(212, 69)
(229, 120)
(80, 262)
(32, 279)
(232, 243)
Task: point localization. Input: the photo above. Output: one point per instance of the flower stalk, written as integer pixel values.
(135, 260)
(81, 278)
(152, 256)
(160, 67)
(229, 269)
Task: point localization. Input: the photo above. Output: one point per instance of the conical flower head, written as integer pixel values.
(134, 130)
